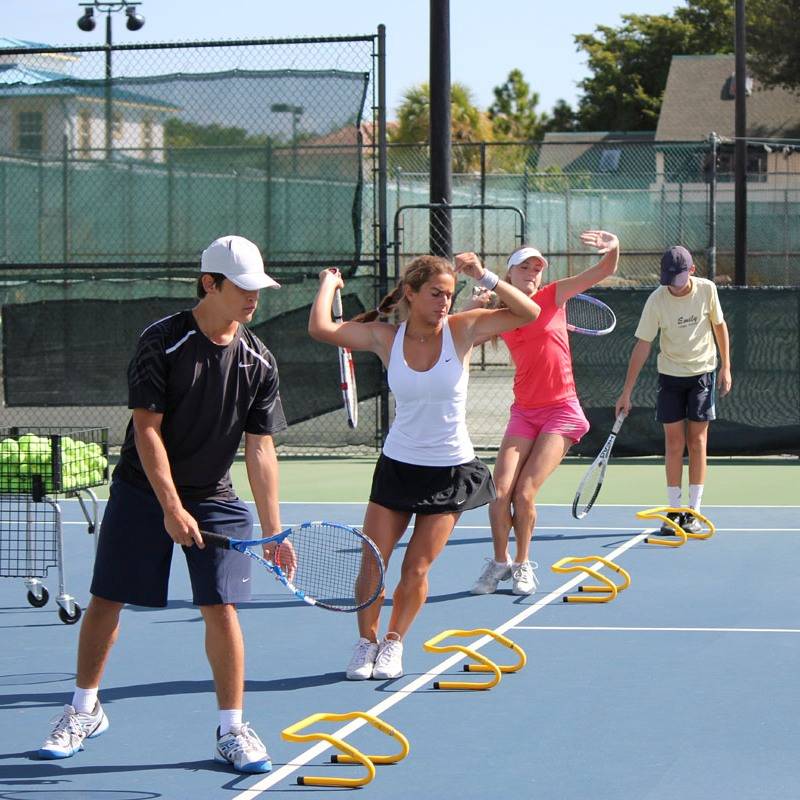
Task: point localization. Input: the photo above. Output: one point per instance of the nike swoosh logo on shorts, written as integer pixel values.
(244, 580)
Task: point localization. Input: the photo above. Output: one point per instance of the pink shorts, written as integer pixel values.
(565, 418)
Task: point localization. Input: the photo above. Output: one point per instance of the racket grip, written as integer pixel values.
(216, 539)
(337, 305)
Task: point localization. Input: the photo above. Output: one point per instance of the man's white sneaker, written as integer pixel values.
(243, 750)
(362, 661)
(492, 574)
(69, 731)
(523, 577)
(389, 662)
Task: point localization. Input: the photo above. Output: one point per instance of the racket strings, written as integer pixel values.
(587, 491)
(332, 565)
(584, 314)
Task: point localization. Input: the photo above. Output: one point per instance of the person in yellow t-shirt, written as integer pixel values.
(686, 315)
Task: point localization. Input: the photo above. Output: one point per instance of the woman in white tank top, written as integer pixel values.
(428, 467)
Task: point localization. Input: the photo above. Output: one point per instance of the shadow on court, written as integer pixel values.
(169, 688)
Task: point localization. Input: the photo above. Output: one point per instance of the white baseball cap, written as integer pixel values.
(523, 254)
(239, 260)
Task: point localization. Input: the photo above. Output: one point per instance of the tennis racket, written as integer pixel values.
(588, 315)
(325, 564)
(592, 481)
(347, 370)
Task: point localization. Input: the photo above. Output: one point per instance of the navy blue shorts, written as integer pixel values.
(134, 551)
(689, 397)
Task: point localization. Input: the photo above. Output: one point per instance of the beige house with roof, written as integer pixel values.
(699, 99)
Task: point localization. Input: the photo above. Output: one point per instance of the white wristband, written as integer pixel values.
(489, 280)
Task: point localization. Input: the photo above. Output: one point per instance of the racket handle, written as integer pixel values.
(337, 305)
(216, 539)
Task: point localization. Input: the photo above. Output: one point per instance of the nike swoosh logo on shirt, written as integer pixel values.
(244, 580)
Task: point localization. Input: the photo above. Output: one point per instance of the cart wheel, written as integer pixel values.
(38, 602)
(66, 618)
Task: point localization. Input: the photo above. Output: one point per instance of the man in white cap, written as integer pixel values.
(686, 315)
(198, 380)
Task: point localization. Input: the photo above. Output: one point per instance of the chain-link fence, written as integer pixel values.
(653, 195)
(110, 188)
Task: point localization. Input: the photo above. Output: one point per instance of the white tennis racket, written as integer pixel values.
(590, 316)
(592, 481)
(347, 370)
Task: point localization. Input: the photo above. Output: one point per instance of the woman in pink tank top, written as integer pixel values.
(546, 417)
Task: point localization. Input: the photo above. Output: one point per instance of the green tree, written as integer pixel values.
(773, 42)
(561, 118)
(513, 113)
(179, 133)
(467, 123)
(629, 64)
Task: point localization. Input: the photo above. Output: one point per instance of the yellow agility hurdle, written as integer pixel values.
(606, 586)
(484, 664)
(681, 536)
(349, 754)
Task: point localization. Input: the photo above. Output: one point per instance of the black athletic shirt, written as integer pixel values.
(209, 395)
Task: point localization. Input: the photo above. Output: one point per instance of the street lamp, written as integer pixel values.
(296, 112)
(134, 22)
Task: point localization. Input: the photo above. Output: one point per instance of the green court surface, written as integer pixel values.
(746, 482)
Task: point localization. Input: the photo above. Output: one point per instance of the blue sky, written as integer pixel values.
(488, 39)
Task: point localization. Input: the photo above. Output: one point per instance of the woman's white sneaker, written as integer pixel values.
(523, 577)
(492, 574)
(389, 662)
(362, 661)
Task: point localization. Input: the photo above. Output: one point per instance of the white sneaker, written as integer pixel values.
(492, 574)
(70, 729)
(363, 660)
(523, 577)
(389, 662)
(243, 750)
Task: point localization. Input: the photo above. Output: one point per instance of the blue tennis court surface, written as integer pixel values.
(682, 687)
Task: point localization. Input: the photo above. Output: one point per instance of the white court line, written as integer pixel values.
(655, 630)
(407, 690)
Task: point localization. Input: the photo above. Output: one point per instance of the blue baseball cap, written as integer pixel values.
(675, 265)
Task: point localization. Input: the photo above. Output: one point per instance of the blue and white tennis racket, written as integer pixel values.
(325, 564)
(590, 316)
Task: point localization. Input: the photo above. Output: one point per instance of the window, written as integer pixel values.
(609, 160)
(85, 131)
(147, 136)
(30, 131)
(116, 127)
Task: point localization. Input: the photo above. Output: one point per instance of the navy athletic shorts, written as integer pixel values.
(134, 551)
(690, 397)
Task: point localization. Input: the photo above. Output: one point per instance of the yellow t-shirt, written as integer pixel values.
(686, 342)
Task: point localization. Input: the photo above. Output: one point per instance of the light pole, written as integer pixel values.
(87, 23)
(296, 112)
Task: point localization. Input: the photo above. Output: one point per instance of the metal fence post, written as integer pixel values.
(712, 208)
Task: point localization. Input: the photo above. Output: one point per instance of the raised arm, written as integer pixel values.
(606, 244)
(481, 324)
(639, 356)
(355, 335)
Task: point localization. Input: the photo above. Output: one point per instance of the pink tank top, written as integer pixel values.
(540, 352)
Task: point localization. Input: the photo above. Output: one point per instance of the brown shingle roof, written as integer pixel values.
(698, 100)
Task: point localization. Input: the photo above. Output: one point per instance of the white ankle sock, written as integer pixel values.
(229, 718)
(84, 700)
(674, 496)
(695, 495)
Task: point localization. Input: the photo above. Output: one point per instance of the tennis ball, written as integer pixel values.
(95, 477)
(94, 450)
(9, 451)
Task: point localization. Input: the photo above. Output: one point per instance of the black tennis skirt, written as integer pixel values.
(431, 490)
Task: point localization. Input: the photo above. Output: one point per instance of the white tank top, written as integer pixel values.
(430, 424)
